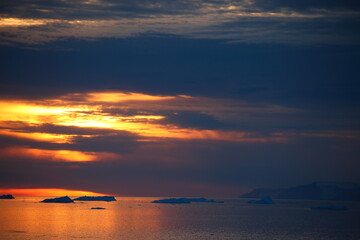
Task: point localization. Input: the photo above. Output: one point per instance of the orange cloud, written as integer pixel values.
(109, 110)
(83, 110)
(44, 137)
(57, 155)
(122, 97)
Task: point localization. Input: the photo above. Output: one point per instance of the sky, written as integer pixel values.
(177, 97)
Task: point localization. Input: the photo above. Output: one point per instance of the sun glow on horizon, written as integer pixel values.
(51, 192)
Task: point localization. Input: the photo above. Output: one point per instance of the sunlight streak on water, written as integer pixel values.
(137, 218)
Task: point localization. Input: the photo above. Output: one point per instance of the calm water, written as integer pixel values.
(136, 218)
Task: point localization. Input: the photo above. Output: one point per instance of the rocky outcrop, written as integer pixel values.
(7, 196)
(65, 199)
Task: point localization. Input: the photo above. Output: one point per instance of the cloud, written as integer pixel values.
(193, 167)
(119, 126)
(136, 8)
(192, 119)
(139, 114)
(256, 21)
(308, 5)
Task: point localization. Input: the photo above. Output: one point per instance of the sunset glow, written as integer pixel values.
(78, 110)
(66, 121)
(57, 155)
(194, 119)
(47, 192)
(123, 97)
(44, 137)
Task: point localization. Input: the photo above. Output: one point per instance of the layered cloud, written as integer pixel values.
(92, 140)
(81, 116)
(236, 21)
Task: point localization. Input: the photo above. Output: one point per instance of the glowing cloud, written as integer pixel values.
(46, 192)
(24, 22)
(91, 111)
(122, 97)
(57, 155)
(43, 137)
(115, 112)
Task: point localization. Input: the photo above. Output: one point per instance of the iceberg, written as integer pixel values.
(330, 207)
(7, 196)
(65, 199)
(264, 200)
(98, 198)
(185, 200)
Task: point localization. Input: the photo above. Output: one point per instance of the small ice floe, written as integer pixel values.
(97, 208)
(7, 196)
(65, 199)
(185, 200)
(97, 198)
(264, 200)
(330, 207)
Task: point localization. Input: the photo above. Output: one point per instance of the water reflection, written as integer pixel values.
(137, 218)
(37, 220)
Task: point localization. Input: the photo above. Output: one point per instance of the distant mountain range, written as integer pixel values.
(345, 191)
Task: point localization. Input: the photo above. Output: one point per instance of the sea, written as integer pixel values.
(136, 218)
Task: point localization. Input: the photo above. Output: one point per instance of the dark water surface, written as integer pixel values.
(137, 218)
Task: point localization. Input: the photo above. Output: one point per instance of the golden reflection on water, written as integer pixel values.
(27, 218)
(138, 219)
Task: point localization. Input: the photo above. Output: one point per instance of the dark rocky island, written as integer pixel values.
(185, 200)
(314, 191)
(65, 199)
(7, 196)
(98, 198)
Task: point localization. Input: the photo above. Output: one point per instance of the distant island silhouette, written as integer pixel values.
(7, 196)
(342, 191)
(65, 199)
